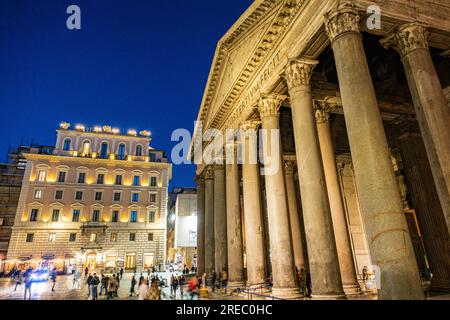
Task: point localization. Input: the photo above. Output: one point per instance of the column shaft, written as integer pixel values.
(281, 252)
(220, 219)
(254, 229)
(322, 254)
(341, 233)
(200, 226)
(234, 222)
(209, 222)
(379, 197)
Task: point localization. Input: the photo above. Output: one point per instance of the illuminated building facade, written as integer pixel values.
(99, 200)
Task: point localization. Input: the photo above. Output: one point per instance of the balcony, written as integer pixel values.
(93, 227)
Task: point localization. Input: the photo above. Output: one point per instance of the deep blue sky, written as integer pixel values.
(134, 64)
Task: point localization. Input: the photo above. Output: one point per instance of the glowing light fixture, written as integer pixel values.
(145, 133)
(115, 130)
(97, 129)
(64, 125)
(132, 132)
(80, 127)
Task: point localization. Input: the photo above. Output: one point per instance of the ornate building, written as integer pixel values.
(98, 200)
(364, 119)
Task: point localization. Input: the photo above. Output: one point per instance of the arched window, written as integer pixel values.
(67, 144)
(104, 150)
(86, 148)
(121, 152)
(139, 150)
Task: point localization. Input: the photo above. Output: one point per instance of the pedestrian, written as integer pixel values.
(224, 279)
(143, 290)
(121, 273)
(175, 285)
(86, 271)
(308, 283)
(53, 278)
(180, 283)
(94, 286)
(193, 287)
(133, 284)
(88, 283)
(214, 278)
(76, 279)
(18, 280)
(154, 293)
(302, 281)
(104, 284)
(113, 287)
(28, 283)
(204, 281)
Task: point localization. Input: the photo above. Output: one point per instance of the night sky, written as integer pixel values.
(134, 64)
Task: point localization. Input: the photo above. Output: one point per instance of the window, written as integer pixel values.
(121, 152)
(139, 150)
(38, 194)
(118, 179)
(75, 215)
(150, 237)
(98, 195)
(151, 216)
(51, 237)
(148, 260)
(153, 197)
(133, 216)
(113, 237)
(95, 215)
(100, 178)
(104, 150)
(93, 237)
(61, 176)
(42, 174)
(79, 195)
(134, 197)
(86, 149)
(153, 181)
(34, 214)
(115, 216)
(116, 196)
(136, 181)
(81, 177)
(30, 237)
(67, 144)
(55, 215)
(72, 237)
(130, 261)
(132, 236)
(59, 194)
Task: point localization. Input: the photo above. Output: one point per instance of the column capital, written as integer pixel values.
(200, 179)
(407, 38)
(209, 173)
(345, 18)
(406, 124)
(269, 105)
(298, 72)
(322, 110)
(249, 125)
(289, 166)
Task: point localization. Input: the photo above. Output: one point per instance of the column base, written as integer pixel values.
(287, 293)
(352, 289)
(234, 285)
(329, 297)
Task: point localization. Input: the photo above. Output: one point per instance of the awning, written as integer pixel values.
(24, 258)
(48, 256)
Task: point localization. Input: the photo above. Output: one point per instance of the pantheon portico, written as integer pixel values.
(365, 149)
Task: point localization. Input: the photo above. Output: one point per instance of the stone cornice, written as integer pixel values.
(269, 105)
(298, 72)
(287, 10)
(344, 18)
(407, 38)
(104, 135)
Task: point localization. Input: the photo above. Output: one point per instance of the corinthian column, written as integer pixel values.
(220, 219)
(341, 234)
(254, 228)
(209, 221)
(322, 255)
(284, 276)
(234, 222)
(294, 217)
(379, 197)
(432, 111)
(200, 225)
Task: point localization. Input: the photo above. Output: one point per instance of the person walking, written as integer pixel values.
(121, 273)
(86, 272)
(142, 290)
(76, 279)
(18, 280)
(104, 284)
(175, 285)
(154, 293)
(28, 283)
(214, 278)
(94, 286)
(302, 281)
(133, 284)
(308, 283)
(88, 283)
(53, 278)
(180, 283)
(193, 287)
